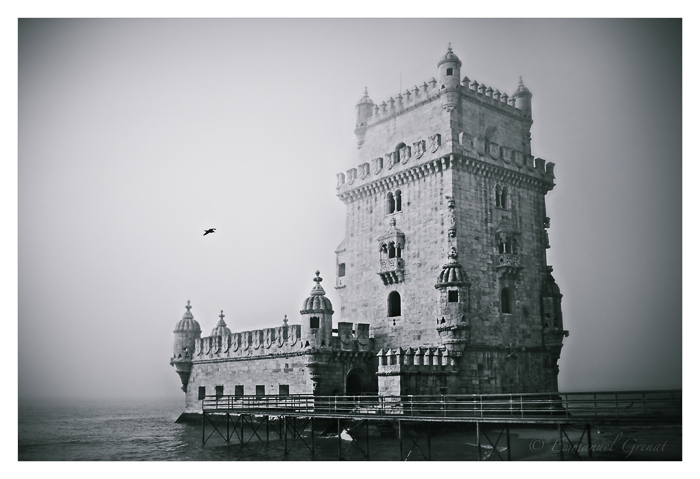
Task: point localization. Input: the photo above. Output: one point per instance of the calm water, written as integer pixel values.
(146, 431)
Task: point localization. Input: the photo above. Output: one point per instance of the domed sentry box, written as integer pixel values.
(454, 305)
(187, 331)
(317, 318)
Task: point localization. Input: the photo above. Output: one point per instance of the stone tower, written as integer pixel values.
(445, 247)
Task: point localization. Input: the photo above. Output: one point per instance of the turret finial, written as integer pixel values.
(521, 81)
(188, 307)
(449, 47)
(222, 315)
(285, 320)
(452, 254)
(318, 279)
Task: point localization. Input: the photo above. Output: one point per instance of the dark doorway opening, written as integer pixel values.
(354, 384)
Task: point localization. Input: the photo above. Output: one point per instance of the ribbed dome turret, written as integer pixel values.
(452, 273)
(450, 57)
(317, 302)
(187, 323)
(365, 99)
(522, 90)
(220, 328)
(549, 287)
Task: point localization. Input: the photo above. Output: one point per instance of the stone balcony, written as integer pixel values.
(391, 270)
(508, 265)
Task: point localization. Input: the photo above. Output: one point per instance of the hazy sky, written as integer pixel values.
(136, 135)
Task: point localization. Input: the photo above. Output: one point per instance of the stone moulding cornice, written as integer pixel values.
(251, 357)
(438, 165)
(505, 349)
(417, 373)
(317, 311)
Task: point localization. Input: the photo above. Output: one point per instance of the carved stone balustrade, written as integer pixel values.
(391, 270)
(508, 265)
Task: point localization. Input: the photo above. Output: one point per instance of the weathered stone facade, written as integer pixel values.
(446, 167)
(443, 268)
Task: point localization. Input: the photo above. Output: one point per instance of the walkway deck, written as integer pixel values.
(563, 410)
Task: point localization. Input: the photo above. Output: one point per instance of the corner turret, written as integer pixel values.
(187, 331)
(523, 99)
(454, 305)
(317, 317)
(448, 76)
(364, 111)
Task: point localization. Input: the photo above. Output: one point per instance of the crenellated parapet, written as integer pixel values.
(277, 341)
(421, 360)
(260, 342)
(429, 91)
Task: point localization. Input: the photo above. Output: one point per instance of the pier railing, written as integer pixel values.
(615, 405)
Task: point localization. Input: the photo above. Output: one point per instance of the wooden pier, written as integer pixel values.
(290, 416)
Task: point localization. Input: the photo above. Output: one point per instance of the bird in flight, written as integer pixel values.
(210, 230)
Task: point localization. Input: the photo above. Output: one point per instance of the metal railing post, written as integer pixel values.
(522, 412)
(595, 406)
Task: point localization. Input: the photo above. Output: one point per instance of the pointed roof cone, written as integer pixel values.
(521, 90)
(317, 301)
(450, 57)
(187, 323)
(365, 99)
(220, 328)
(452, 273)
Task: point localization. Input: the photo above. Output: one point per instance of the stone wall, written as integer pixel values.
(291, 370)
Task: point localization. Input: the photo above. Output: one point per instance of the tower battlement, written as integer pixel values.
(277, 341)
(429, 91)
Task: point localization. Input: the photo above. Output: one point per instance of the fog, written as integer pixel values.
(137, 135)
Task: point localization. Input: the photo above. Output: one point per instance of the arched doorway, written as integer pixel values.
(355, 382)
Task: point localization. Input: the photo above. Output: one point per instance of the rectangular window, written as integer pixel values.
(219, 391)
(449, 72)
(259, 390)
(453, 296)
(202, 392)
(284, 389)
(341, 269)
(238, 391)
(314, 322)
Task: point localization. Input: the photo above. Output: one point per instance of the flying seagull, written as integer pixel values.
(210, 230)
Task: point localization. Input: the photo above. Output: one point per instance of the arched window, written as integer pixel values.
(392, 250)
(397, 197)
(390, 203)
(398, 251)
(504, 198)
(394, 304)
(498, 196)
(505, 301)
